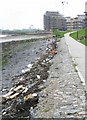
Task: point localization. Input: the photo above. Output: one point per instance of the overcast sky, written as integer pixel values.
(18, 14)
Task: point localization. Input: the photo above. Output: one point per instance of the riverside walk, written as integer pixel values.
(77, 51)
(64, 95)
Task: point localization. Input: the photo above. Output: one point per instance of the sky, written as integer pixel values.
(20, 14)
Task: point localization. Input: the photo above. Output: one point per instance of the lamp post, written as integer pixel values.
(77, 34)
(63, 3)
(85, 19)
(63, 24)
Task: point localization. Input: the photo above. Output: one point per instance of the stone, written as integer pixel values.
(63, 107)
(56, 114)
(75, 105)
(3, 90)
(68, 93)
(82, 98)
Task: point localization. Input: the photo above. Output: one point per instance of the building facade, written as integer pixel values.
(75, 23)
(54, 20)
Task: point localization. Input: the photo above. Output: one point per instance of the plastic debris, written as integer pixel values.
(29, 66)
(25, 70)
(30, 96)
(38, 76)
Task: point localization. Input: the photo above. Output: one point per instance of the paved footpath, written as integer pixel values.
(64, 95)
(77, 51)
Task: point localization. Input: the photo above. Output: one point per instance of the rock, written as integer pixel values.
(3, 90)
(56, 114)
(82, 98)
(22, 82)
(40, 48)
(4, 99)
(82, 113)
(21, 79)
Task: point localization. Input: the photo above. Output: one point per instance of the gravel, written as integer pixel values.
(65, 92)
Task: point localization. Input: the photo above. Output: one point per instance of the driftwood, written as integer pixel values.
(30, 96)
(14, 92)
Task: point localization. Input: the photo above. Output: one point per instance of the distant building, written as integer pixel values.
(75, 23)
(79, 22)
(54, 20)
(69, 23)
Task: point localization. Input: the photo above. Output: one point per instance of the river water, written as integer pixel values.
(1, 36)
(6, 38)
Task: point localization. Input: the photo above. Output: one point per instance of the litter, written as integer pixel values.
(38, 76)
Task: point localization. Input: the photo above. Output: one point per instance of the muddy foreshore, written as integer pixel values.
(17, 55)
(21, 82)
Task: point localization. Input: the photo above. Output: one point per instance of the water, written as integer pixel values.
(6, 38)
(3, 36)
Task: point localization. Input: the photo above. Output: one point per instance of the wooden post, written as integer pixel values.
(77, 34)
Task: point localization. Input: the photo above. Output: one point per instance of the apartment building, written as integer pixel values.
(54, 20)
(69, 23)
(75, 23)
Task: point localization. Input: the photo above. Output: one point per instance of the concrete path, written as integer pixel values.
(77, 51)
(64, 95)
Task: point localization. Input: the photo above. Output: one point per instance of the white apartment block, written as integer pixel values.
(75, 23)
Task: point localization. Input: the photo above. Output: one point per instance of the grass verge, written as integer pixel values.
(59, 34)
(80, 35)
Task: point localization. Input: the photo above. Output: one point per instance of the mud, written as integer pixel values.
(21, 89)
